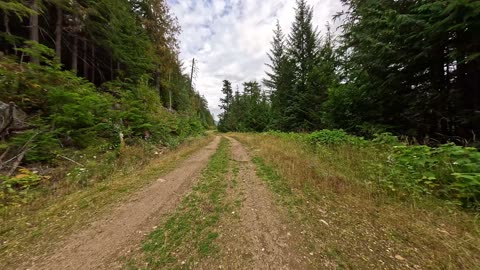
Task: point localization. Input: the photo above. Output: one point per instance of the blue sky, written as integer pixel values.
(230, 38)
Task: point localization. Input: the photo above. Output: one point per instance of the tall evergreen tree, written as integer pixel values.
(415, 65)
(228, 92)
(279, 79)
(276, 57)
(303, 54)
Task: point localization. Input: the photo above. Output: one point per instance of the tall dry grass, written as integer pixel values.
(353, 223)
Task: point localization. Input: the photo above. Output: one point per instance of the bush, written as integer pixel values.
(334, 137)
(15, 190)
(449, 171)
(386, 138)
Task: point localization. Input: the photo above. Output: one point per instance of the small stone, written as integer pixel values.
(400, 258)
(311, 253)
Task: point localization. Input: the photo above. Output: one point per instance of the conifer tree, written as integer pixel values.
(304, 56)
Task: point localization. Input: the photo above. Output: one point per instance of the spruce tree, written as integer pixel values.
(304, 56)
(276, 57)
(228, 92)
(279, 79)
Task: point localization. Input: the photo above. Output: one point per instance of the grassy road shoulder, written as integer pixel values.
(32, 229)
(348, 225)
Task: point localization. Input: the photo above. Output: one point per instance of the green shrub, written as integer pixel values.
(386, 138)
(448, 171)
(334, 137)
(15, 190)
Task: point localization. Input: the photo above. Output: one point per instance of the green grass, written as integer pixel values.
(349, 223)
(189, 233)
(33, 229)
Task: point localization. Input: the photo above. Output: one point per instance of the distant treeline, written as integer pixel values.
(407, 67)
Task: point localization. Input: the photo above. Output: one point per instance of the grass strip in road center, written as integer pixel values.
(189, 233)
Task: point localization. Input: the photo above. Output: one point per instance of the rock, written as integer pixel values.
(11, 116)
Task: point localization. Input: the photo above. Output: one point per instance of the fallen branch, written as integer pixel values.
(71, 160)
(4, 154)
(17, 162)
(20, 156)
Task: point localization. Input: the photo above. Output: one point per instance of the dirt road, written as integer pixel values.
(258, 236)
(99, 246)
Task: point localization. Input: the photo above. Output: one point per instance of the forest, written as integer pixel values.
(89, 76)
(358, 149)
(411, 68)
(405, 74)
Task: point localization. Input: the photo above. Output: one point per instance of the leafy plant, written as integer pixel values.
(448, 171)
(334, 137)
(15, 190)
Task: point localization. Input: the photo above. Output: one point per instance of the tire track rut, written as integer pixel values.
(105, 240)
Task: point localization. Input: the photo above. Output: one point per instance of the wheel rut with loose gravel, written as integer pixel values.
(257, 235)
(99, 246)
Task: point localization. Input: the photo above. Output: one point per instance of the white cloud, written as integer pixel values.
(230, 38)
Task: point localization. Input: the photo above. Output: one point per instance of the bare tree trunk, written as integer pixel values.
(58, 34)
(34, 27)
(85, 56)
(111, 69)
(6, 23)
(93, 63)
(75, 53)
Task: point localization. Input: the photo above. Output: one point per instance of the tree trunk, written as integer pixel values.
(34, 27)
(58, 34)
(6, 23)
(93, 63)
(111, 69)
(85, 56)
(75, 53)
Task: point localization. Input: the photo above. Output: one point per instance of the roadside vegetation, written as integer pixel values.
(370, 136)
(33, 228)
(373, 204)
(84, 93)
(189, 234)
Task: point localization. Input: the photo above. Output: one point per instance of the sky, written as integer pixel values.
(230, 39)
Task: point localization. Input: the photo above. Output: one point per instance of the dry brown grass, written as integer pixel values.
(351, 224)
(29, 230)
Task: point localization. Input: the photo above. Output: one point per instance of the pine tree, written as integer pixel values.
(277, 57)
(228, 92)
(304, 56)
